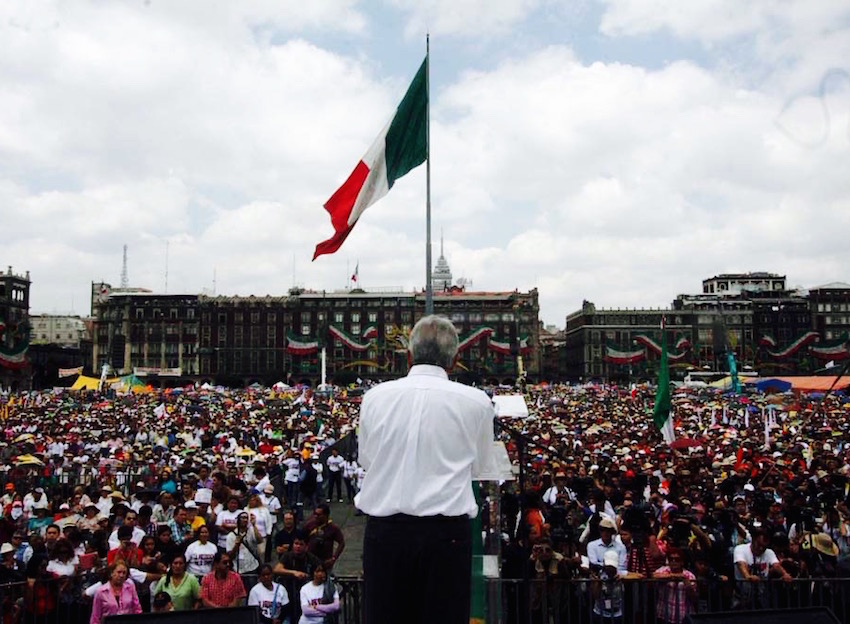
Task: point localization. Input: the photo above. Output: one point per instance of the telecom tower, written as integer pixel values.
(125, 280)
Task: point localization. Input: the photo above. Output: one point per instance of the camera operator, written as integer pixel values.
(549, 569)
(559, 492)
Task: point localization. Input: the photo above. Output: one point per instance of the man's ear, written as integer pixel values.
(409, 359)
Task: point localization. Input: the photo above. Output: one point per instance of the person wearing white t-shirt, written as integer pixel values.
(269, 596)
(200, 554)
(349, 475)
(753, 563)
(335, 463)
(226, 519)
(314, 607)
(319, 467)
(290, 477)
(271, 502)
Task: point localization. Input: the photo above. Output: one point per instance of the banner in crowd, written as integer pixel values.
(70, 372)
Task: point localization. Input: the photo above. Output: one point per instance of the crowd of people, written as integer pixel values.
(754, 488)
(202, 498)
(173, 500)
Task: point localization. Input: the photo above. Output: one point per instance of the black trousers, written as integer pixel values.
(417, 570)
(335, 479)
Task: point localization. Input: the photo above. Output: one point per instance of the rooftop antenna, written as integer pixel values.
(125, 280)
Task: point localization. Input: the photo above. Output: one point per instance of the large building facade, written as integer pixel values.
(769, 329)
(15, 371)
(241, 340)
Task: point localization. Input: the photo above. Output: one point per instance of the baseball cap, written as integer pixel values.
(610, 558)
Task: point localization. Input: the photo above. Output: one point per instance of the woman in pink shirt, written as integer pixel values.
(117, 596)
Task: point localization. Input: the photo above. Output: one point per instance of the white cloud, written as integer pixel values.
(222, 131)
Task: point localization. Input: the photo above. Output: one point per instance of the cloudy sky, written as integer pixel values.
(618, 151)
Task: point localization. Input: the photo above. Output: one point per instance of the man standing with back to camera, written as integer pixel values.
(423, 439)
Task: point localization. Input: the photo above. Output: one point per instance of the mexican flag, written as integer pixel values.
(661, 412)
(401, 146)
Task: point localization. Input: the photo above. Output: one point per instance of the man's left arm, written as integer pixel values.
(484, 443)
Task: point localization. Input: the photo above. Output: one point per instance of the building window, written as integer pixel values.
(237, 336)
(140, 313)
(339, 317)
(255, 317)
(222, 318)
(222, 336)
(355, 317)
(172, 313)
(271, 317)
(271, 336)
(305, 329)
(237, 317)
(373, 317)
(355, 329)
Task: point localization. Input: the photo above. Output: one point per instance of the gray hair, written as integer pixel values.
(434, 340)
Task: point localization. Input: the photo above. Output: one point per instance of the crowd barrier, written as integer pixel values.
(579, 601)
(42, 602)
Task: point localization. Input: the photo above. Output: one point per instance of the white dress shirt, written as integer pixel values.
(422, 439)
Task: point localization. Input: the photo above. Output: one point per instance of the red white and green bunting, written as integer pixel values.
(16, 356)
(683, 344)
(767, 341)
(301, 347)
(615, 356)
(347, 340)
(653, 346)
(505, 347)
(838, 350)
(802, 341)
(370, 332)
(474, 337)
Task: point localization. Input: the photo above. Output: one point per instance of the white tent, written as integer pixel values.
(510, 406)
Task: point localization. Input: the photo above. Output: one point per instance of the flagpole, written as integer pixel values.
(429, 291)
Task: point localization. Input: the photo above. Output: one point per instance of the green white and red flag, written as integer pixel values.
(400, 147)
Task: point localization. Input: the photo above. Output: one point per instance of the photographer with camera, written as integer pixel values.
(549, 569)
